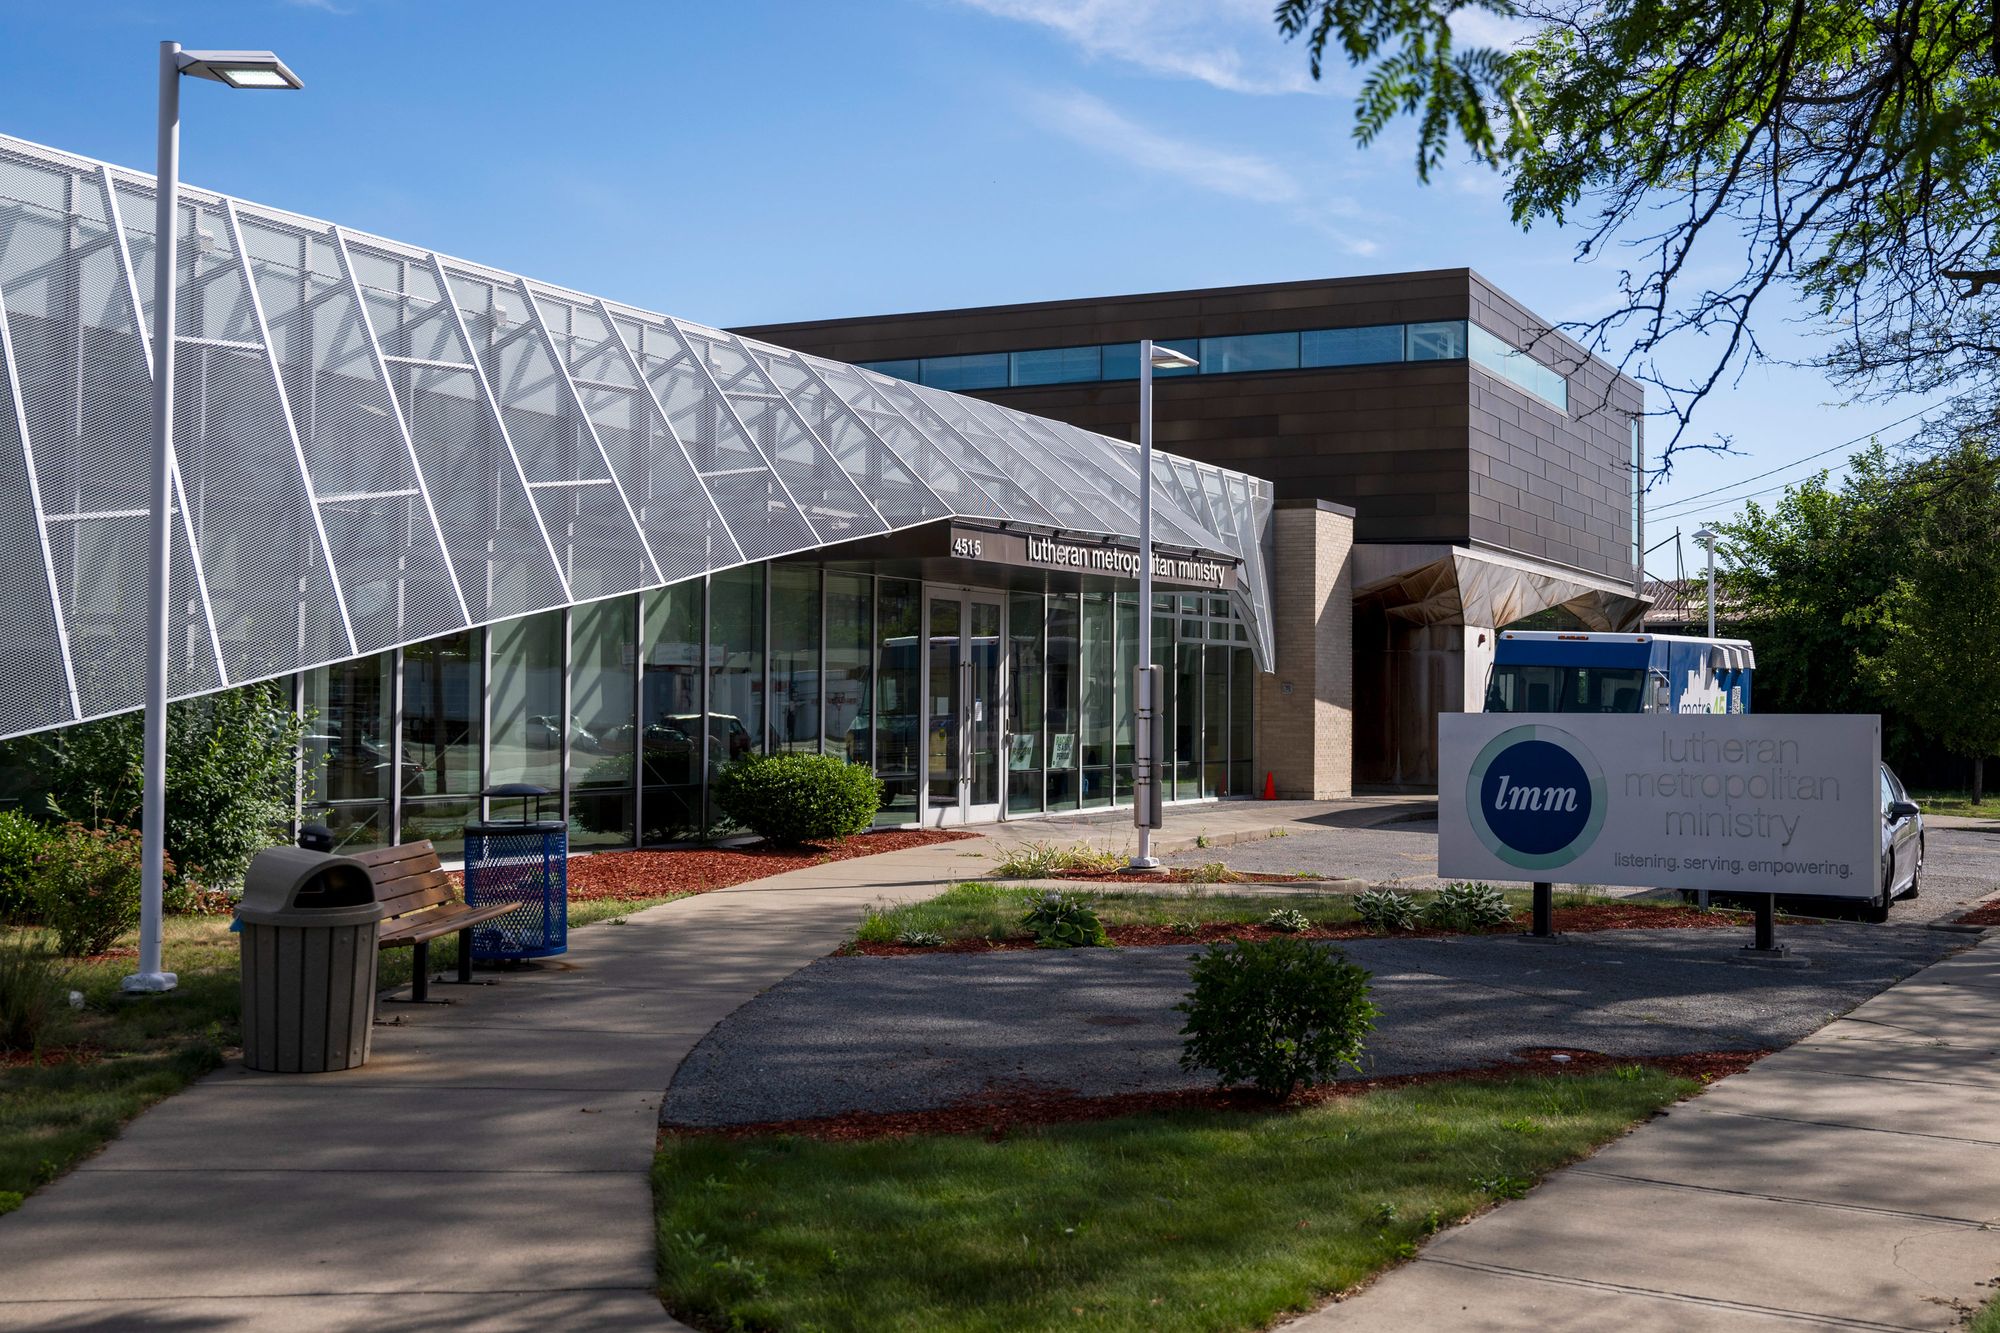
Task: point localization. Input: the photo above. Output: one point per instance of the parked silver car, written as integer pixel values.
(1902, 846)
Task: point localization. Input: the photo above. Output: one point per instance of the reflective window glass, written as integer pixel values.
(1062, 702)
(1367, 346)
(898, 699)
(1249, 351)
(1491, 353)
(1442, 341)
(670, 721)
(911, 370)
(1025, 714)
(525, 702)
(603, 659)
(1058, 365)
(979, 370)
(850, 656)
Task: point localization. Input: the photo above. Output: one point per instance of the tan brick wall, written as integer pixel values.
(1305, 708)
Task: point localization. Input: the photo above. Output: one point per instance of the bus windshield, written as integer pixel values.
(1554, 689)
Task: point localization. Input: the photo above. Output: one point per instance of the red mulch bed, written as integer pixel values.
(1183, 875)
(1578, 920)
(630, 876)
(1986, 914)
(1002, 1109)
(83, 1053)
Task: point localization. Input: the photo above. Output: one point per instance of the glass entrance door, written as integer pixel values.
(964, 739)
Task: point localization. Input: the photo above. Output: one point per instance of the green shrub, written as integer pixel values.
(1467, 907)
(1288, 919)
(21, 842)
(1276, 1013)
(1384, 910)
(89, 890)
(1044, 860)
(794, 798)
(232, 769)
(1060, 921)
(919, 939)
(32, 983)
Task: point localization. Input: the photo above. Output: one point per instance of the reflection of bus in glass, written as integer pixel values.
(1539, 671)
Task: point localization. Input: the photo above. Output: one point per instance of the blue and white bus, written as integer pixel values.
(1536, 671)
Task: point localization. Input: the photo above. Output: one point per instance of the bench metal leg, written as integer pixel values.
(420, 983)
(465, 956)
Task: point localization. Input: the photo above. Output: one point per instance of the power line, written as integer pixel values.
(1833, 448)
(1681, 508)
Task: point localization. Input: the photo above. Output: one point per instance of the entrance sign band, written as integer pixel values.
(1748, 803)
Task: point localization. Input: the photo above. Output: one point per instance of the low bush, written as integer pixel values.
(1043, 860)
(919, 939)
(1288, 919)
(88, 892)
(1060, 921)
(1385, 910)
(21, 843)
(794, 798)
(33, 985)
(1468, 907)
(1275, 1013)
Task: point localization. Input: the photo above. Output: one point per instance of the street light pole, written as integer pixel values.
(237, 69)
(1146, 680)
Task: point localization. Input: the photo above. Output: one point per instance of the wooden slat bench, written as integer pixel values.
(411, 883)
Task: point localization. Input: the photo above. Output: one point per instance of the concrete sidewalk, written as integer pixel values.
(488, 1168)
(1849, 1182)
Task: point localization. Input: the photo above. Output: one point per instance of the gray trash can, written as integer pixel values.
(311, 932)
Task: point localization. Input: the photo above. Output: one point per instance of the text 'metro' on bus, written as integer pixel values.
(1539, 671)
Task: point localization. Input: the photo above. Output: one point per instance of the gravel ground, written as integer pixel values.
(900, 1034)
(1960, 865)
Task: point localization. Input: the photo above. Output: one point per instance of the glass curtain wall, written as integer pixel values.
(443, 725)
(795, 658)
(1026, 623)
(604, 694)
(666, 688)
(899, 700)
(350, 766)
(670, 714)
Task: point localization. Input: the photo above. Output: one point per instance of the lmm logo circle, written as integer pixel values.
(1536, 797)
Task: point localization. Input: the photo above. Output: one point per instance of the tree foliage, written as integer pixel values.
(1880, 597)
(1843, 149)
(231, 768)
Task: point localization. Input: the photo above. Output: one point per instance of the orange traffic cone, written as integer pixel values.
(1270, 788)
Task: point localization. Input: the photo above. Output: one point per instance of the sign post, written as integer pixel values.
(1757, 804)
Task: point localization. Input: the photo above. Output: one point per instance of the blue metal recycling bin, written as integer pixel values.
(521, 861)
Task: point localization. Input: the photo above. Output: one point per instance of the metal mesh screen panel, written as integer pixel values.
(377, 446)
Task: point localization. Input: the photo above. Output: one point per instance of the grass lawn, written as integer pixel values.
(151, 1047)
(983, 909)
(1957, 803)
(1987, 1320)
(1194, 1220)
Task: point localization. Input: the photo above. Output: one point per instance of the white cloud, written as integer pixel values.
(1101, 127)
(1096, 124)
(1233, 45)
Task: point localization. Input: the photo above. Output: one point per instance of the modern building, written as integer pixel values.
(1491, 467)
(489, 530)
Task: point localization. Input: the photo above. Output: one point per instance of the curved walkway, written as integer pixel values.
(488, 1168)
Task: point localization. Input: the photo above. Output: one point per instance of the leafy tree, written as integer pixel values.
(1940, 664)
(1806, 580)
(1848, 150)
(231, 768)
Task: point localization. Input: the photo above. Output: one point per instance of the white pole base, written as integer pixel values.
(1144, 863)
(148, 983)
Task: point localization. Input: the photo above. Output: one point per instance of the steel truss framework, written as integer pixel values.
(377, 445)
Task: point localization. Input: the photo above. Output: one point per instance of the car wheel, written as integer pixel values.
(1877, 910)
(1916, 872)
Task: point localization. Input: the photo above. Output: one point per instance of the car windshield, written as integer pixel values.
(1555, 689)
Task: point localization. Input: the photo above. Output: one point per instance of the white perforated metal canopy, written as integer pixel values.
(378, 444)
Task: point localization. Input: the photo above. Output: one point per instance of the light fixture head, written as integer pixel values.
(1705, 537)
(1166, 358)
(240, 69)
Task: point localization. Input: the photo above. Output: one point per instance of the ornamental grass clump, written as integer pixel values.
(1276, 1013)
(1385, 910)
(1466, 907)
(1062, 921)
(33, 982)
(794, 797)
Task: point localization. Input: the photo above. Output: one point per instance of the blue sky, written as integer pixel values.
(750, 162)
